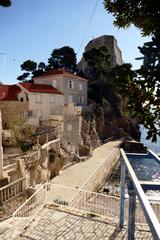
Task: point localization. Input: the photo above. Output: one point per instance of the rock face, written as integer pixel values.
(44, 164)
(102, 123)
(89, 136)
(37, 166)
(106, 40)
(134, 147)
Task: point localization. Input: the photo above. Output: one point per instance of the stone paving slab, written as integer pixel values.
(59, 225)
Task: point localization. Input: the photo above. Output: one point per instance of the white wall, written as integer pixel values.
(45, 105)
(50, 80)
(78, 90)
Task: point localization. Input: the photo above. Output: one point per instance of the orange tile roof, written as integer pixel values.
(9, 92)
(59, 71)
(41, 88)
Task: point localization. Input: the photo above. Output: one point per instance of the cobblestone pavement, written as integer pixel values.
(52, 224)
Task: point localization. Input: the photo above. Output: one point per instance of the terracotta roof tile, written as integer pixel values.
(9, 92)
(41, 88)
(59, 71)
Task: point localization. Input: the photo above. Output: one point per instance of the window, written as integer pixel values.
(30, 114)
(54, 83)
(69, 127)
(80, 86)
(52, 98)
(70, 84)
(38, 98)
(39, 113)
(70, 99)
(80, 100)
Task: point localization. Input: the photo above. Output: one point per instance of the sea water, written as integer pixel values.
(155, 147)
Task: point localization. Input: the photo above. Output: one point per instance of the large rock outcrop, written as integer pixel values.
(101, 123)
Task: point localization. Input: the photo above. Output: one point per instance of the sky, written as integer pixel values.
(31, 29)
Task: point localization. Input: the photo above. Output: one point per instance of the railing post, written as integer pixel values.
(131, 213)
(47, 188)
(122, 192)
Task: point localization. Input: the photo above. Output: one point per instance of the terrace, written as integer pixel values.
(56, 211)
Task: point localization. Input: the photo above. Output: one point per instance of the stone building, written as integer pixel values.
(73, 87)
(55, 99)
(111, 43)
(11, 105)
(44, 99)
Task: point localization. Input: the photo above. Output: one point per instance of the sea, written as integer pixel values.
(155, 147)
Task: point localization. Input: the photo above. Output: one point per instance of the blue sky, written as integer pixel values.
(31, 29)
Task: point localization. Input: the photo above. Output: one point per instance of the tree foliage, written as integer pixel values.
(144, 93)
(23, 133)
(5, 3)
(63, 57)
(29, 67)
(101, 87)
(144, 14)
(99, 62)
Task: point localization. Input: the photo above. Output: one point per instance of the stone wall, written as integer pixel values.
(12, 110)
(71, 128)
(43, 164)
(111, 43)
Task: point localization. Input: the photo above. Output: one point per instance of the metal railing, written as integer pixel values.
(12, 190)
(136, 190)
(30, 208)
(61, 196)
(85, 201)
(107, 140)
(99, 175)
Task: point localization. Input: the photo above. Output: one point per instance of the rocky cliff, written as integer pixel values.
(101, 122)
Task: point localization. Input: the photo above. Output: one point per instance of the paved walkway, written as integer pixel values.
(76, 176)
(52, 224)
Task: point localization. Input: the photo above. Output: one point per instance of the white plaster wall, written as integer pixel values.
(45, 105)
(75, 92)
(49, 80)
(22, 95)
(62, 86)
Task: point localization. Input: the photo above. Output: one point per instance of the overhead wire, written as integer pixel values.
(86, 30)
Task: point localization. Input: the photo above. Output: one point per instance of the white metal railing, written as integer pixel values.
(108, 139)
(100, 174)
(83, 201)
(148, 211)
(12, 190)
(111, 139)
(30, 208)
(86, 201)
(75, 198)
(62, 196)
